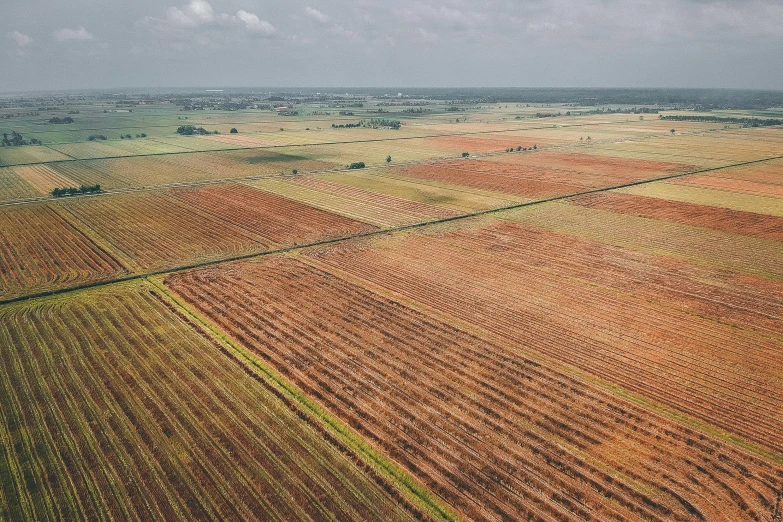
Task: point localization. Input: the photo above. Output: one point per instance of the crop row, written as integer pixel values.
(114, 408)
(40, 250)
(724, 375)
(493, 432)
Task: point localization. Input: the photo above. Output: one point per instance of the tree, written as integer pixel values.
(294, 172)
(388, 158)
(465, 154)
(672, 131)
(519, 147)
(233, 131)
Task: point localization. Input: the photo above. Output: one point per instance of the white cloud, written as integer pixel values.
(199, 15)
(315, 14)
(21, 40)
(253, 23)
(80, 34)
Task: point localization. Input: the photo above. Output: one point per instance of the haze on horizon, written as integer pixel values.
(369, 43)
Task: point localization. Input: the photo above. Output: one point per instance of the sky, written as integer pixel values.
(112, 44)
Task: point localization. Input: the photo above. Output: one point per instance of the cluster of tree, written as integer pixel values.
(96, 137)
(346, 113)
(392, 124)
(59, 121)
(73, 191)
(73, 112)
(288, 113)
(346, 125)
(16, 139)
(190, 130)
(417, 110)
(356, 165)
(19, 115)
(549, 114)
(748, 122)
(454, 108)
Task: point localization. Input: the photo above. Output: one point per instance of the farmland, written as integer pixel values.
(516, 311)
(434, 410)
(107, 424)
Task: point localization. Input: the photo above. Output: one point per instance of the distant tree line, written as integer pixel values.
(190, 130)
(59, 121)
(73, 191)
(16, 139)
(748, 122)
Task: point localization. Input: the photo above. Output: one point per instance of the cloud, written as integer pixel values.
(198, 15)
(79, 34)
(21, 40)
(254, 23)
(316, 15)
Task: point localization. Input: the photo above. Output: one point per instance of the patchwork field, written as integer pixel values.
(584, 452)
(114, 407)
(588, 330)
(156, 231)
(40, 250)
(278, 219)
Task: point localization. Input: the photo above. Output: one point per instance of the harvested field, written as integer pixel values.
(728, 375)
(592, 170)
(156, 231)
(90, 149)
(240, 141)
(456, 198)
(43, 178)
(91, 172)
(40, 250)
(735, 221)
(729, 184)
(493, 431)
(278, 219)
(483, 143)
(420, 210)
(517, 182)
(676, 191)
(353, 208)
(13, 186)
(117, 409)
(714, 248)
(29, 154)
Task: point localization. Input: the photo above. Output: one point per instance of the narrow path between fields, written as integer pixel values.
(391, 230)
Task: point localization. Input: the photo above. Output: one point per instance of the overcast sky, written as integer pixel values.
(245, 43)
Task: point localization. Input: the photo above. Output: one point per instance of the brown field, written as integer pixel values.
(281, 220)
(43, 178)
(156, 231)
(734, 185)
(484, 143)
(494, 432)
(727, 375)
(378, 199)
(517, 182)
(738, 222)
(40, 250)
(115, 408)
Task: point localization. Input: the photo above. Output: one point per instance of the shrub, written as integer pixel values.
(465, 154)
(95, 137)
(356, 165)
(233, 131)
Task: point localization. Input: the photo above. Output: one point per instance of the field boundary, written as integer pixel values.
(333, 430)
(373, 233)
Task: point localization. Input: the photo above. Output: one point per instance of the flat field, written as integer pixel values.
(588, 330)
(490, 428)
(115, 408)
